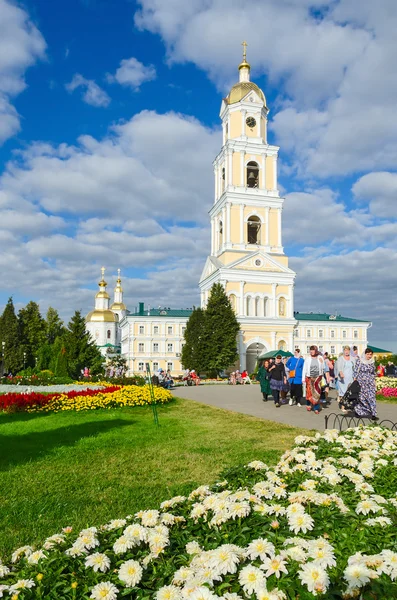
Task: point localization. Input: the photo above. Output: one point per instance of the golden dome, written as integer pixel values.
(241, 89)
(101, 316)
(102, 295)
(118, 306)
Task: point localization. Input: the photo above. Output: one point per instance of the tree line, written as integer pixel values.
(211, 335)
(29, 341)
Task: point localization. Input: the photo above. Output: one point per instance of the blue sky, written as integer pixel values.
(109, 125)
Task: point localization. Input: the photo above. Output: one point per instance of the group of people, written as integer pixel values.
(239, 378)
(190, 377)
(318, 373)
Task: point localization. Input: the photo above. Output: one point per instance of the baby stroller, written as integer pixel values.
(351, 397)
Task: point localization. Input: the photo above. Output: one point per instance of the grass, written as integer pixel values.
(83, 469)
(386, 399)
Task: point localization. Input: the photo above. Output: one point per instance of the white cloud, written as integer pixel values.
(133, 73)
(21, 45)
(92, 93)
(379, 191)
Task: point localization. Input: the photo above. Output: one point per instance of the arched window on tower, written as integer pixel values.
(252, 174)
(249, 311)
(223, 180)
(258, 307)
(220, 234)
(254, 230)
(108, 334)
(264, 307)
(282, 345)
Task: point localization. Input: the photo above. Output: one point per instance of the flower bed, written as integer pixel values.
(388, 392)
(110, 397)
(321, 523)
(382, 382)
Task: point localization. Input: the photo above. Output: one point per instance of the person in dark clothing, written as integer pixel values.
(278, 379)
(390, 369)
(263, 377)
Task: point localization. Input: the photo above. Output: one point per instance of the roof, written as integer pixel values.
(274, 353)
(241, 89)
(161, 313)
(325, 317)
(376, 350)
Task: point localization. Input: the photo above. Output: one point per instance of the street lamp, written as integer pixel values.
(24, 360)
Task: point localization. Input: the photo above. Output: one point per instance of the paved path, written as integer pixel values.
(248, 400)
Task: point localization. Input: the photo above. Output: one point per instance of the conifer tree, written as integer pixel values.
(191, 352)
(31, 331)
(219, 339)
(54, 325)
(81, 351)
(9, 334)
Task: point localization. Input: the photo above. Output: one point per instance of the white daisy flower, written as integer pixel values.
(116, 524)
(3, 588)
(224, 560)
(149, 518)
(251, 579)
(168, 592)
(130, 573)
(122, 544)
(357, 575)
(203, 593)
(193, 548)
(367, 506)
(260, 548)
(104, 591)
(98, 561)
(300, 522)
(35, 557)
(22, 584)
(314, 577)
(274, 566)
(23, 550)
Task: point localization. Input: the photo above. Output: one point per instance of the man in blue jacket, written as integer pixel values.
(295, 365)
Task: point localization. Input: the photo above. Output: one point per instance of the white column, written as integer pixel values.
(274, 340)
(291, 303)
(230, 168)
(242, 223)
(242, 301)
(274, 287)
(212, 236)
(263, 172)
(279, 226)
(242, 154)
(275, 172)
(228, 217)
(216, 245)
(216, 175)
(243, 358)
(223, 133)
(267, 215)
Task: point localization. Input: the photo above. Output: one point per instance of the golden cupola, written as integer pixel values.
(102, 312)
(244, 85)
(118, 303)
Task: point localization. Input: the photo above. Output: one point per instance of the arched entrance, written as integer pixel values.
(253, 351)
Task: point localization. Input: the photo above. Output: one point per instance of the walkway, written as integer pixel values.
(248, 400)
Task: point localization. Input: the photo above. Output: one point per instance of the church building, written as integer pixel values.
(246, 257)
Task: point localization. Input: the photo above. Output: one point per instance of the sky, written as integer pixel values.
(109, 123)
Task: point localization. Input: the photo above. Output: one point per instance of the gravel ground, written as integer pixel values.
(4, 389)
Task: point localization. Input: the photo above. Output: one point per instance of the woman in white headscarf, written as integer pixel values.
(365, 373)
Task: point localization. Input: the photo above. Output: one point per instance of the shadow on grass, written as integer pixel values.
(20, 416)
(19, 449)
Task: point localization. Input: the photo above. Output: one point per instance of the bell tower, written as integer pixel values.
(247, 255)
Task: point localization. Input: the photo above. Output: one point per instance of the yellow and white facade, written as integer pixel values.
(247, 254)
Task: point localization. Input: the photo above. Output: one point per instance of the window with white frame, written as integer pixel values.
(355, 334)
(183, 330)
(141, 329)
(169, 330)
(308, 333)
(169, 366)
(141, 347)
(296, 346)
(155, 347)
(321, 333)
(321, 348)
(155, 329)
(344, 334)
(170, 347)
(141, 366)
(308, 349)
(155, 366)
(332, 333)
(332, 349)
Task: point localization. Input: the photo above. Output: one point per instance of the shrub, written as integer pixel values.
(321, 524)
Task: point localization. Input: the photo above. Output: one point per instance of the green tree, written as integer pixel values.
(192, 356)
(9, 334)
(81, 351)
(59, 359)
(53, 325)
(219, 339)
(32, 332)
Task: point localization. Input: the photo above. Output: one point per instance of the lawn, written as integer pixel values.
(84, 468)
